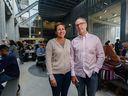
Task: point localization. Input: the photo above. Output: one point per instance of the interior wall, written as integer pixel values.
(10, 28)
(105, 32)
(2, 20)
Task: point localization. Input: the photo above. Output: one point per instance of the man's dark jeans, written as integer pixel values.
(89, 83)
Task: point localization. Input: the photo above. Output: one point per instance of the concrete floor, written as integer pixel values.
(32, 85)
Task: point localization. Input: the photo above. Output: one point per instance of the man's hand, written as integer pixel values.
(53, 83)
(74, 80)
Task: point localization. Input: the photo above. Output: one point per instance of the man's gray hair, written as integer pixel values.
(81, 18)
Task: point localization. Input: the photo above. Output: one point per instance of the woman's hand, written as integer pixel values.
(53, 83)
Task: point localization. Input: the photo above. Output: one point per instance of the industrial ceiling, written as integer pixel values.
(55, 9)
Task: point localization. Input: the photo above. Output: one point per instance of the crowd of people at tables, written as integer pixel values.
(115, 61)
(14, 53)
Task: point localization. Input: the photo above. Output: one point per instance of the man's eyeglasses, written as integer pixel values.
(80, 23)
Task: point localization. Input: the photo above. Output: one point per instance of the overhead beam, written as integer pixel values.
(53, 18)
(47, 10)
(55, 13)
(63, 3)
(54, 4)
(69, 1)
(114, 17)
(27, 9)
(48, 6)
(75, 1)
(105, 22)
(25, 21)
(47, 14)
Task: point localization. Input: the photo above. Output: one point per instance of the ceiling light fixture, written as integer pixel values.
(114, 21)
(69, 24)
(105, 10)
(105, 3)
(39, 33)
(114, 15)
(39, 18)
(100, 17)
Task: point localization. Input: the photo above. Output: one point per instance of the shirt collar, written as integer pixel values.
(84, 35)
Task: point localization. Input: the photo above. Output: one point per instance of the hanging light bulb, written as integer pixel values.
(39, 33)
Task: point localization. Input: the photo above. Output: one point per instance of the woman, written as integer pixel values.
(21, 51)
(110, 55)
(58, 62)
(13, 48)
(114, 60)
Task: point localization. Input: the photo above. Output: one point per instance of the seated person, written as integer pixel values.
(110, 55)
(123, 54)
(115, 61)
(40, 55)
(9, 69)
(41, 50)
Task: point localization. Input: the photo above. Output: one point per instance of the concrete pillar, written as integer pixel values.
(17, 32)
(2, 20)
(124, 20)
(10, 28)
(16, 25)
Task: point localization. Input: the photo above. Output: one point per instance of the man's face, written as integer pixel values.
(3, 52)
(81, 26)
(41, 45)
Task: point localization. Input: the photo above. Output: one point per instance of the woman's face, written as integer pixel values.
(60, 31)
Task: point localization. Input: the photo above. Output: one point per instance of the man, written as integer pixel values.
(9, 69)
(87, 57)
(41, 50)
(118, 47)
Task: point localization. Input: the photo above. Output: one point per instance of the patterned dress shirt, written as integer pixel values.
(87, 55)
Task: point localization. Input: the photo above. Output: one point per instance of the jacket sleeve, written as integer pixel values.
(49, 51)
(72, 60)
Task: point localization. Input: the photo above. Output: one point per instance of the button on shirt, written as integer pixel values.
(87, 55)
